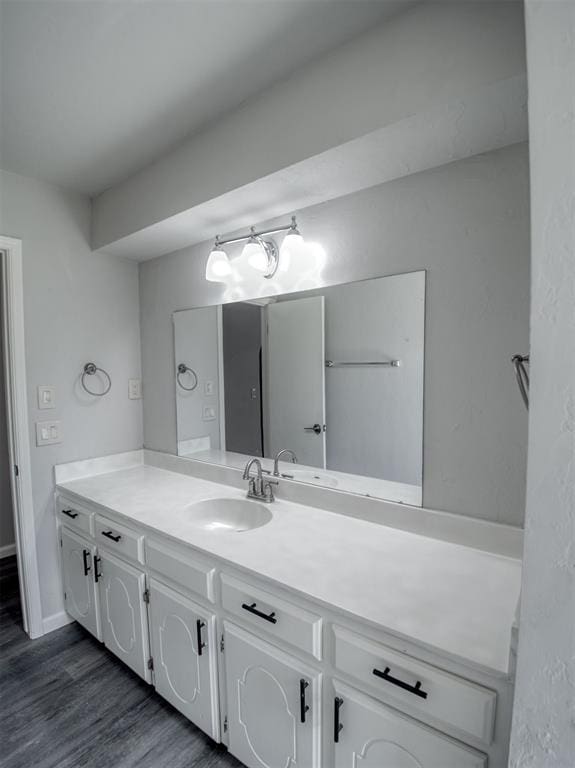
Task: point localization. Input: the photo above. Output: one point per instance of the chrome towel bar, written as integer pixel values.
(364, 363)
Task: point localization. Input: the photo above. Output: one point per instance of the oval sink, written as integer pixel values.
(226, 515)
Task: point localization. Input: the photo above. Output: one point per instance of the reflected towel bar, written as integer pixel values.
(369, 363)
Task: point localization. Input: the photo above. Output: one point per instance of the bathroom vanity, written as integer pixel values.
(295, 635)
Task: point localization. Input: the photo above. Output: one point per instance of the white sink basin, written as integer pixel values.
(235, 515)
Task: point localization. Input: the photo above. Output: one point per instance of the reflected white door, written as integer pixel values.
(123, 611)
(269, 725)
(80, 591)
(296, 379)
(371, 735)
(183, 648)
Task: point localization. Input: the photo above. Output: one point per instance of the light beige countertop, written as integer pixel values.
(447, 597)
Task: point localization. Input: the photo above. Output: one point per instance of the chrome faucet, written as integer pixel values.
(279, 454)
(258, 488)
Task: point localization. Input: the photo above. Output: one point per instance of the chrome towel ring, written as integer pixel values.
(183, 368)
(89, 370)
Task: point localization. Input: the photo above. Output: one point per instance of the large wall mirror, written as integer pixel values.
(334, 375)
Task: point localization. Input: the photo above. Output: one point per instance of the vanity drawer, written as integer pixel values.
(120, 539)
(190, 572)
(75, 516)
(422, 689)
(265, 611)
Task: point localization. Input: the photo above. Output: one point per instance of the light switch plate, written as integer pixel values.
(209, 388)
(48, 433)
(209, 413)
(134, 389)
(46, 397)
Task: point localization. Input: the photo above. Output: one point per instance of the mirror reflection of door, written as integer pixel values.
(296, 379)
(242, 352)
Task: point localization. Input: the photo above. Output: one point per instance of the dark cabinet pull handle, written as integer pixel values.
(415, 689)
(70, 513)
(85, 556)
(252, 609)
(97, 574)
(110, 535)
(303, 707)
(337, 726)
(199, 626)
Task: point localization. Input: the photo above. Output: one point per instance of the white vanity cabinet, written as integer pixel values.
(182, 636)
(273, 704)
(80, 590)
(372, 735)
(282, 680)
(123, 610)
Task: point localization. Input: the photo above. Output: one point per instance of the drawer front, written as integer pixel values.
(420, 688)
(74, 516)
(189, 572)
(265, 611)
(119, 539)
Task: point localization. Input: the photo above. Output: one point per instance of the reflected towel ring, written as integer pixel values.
(183, 368)
(89, 370)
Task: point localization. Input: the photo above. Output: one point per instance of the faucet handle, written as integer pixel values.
(268, 492)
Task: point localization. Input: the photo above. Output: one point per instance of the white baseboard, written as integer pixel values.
(7, 551)
(55, 621)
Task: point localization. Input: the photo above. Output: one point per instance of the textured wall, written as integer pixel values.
(467, 223)
(77, 307)
(544, 716)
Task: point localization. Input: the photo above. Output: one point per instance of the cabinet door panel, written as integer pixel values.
(375, 736)
(265, 706)
(184, 674)
(80, 591)
(124, 620)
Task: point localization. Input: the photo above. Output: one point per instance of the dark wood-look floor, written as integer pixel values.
(66, 702)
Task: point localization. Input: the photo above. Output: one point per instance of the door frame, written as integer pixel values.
(18, 433)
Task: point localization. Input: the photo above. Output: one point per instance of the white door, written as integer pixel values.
(123, 611)
(80, 590)
(273, 704)
(295, 381)
(370, 735)
(183, 648)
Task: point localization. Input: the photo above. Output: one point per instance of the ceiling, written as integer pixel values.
(93, 90)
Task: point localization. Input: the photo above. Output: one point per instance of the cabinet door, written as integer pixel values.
(371, 735)
(183, 648)
(124, 619)
(273, 704)
(80, 591)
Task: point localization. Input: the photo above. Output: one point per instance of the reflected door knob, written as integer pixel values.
(317, 428)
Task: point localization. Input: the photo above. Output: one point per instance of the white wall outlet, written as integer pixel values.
(209, 388)
(48, 432)
(134, 389)
(209, 413)
(46, 397)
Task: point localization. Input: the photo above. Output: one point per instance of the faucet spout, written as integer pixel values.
(257, 487)
(281, 453)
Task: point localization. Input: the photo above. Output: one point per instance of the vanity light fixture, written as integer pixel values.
(260, 253)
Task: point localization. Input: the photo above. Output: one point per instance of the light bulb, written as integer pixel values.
(292, 245)
(255, 256)
(218, 266)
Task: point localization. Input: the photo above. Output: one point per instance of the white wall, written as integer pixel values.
(466, 223)
(543, 733)
(375, 415)
(78, 308)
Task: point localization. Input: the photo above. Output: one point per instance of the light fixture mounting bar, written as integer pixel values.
(259, 233)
